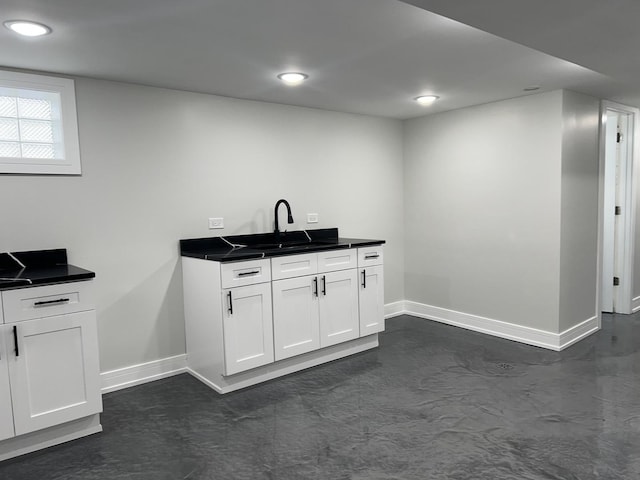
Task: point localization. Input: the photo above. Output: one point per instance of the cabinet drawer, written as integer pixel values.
(294, 266)
(368, 256)
(237, 274)
(47, 301)
(335, 260)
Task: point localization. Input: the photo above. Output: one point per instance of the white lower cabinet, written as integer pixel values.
(54, 371)
(6, 410)
(295, 311)
(338, 307)
(248, 327)
(371, 298)
(246, 321)
(314, 311)
(49, 367)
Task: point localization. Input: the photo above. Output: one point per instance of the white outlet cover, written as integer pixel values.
(312, 218)
(216, 222)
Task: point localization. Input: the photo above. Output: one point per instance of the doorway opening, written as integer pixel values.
(617, 155)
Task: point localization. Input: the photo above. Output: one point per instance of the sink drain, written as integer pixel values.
(505, 366)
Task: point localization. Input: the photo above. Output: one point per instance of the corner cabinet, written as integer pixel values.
(251, 321)
(49, 367)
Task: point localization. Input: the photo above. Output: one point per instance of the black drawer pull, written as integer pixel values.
(230, 309)
(364, 279)
(367, 257)
(324, 285)
(51, 302)
(244, 274)
(15, 340)
(315, 286)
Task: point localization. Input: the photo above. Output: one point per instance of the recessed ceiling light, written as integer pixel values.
(426, 100)
(293, 78)
(27, 28)
(531, 88)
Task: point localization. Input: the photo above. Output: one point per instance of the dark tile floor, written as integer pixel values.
(433, 402)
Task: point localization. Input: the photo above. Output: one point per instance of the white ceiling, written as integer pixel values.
(603, 36)
(363, 56)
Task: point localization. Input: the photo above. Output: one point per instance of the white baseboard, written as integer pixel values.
(394, 309)
(223, 384)
(48, 437)
(167, 367)
(578, 332)
(498, 328)
(635, 305)
(142, 373)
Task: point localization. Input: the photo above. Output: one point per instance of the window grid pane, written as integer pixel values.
(36, 131)
(38, 150)
(10, 149)
(26, 128)
(9, 129)
(8, 107)
(34, 108)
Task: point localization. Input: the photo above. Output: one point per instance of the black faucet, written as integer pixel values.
(276, 230)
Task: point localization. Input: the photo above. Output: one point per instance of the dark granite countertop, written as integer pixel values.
(39, 267)
(265, 245)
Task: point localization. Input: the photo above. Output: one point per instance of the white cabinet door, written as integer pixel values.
(371, 281)
(248, 327)
(6, 411)
(338, 307)
(54, 370)
(295, 310)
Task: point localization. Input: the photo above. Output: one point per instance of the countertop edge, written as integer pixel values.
(53, 280)
(243, 254)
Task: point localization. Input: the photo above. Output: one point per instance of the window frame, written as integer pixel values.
(65, 87)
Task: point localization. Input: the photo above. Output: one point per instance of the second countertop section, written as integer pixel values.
(265, 245)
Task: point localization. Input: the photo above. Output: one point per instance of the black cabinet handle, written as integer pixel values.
(315, 286)
(15, 340)
(244, 274)
(50, 302)
(364, 279)
(324, 285)
(367, 257)
(230, 309)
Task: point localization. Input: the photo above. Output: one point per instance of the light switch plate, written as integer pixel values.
(312, 218)
(217, 222)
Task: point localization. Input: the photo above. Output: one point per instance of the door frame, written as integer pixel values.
(624, 295)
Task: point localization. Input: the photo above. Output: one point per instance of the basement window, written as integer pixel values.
(38, 125)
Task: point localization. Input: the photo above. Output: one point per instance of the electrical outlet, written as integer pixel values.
(217, 222)
(312, 218)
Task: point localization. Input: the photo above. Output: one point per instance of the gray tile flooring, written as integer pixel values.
(433, 402)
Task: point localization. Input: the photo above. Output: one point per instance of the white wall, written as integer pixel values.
(156, 163)
(482, 198)
(502, 211)
(579, 209)
(488, 205)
